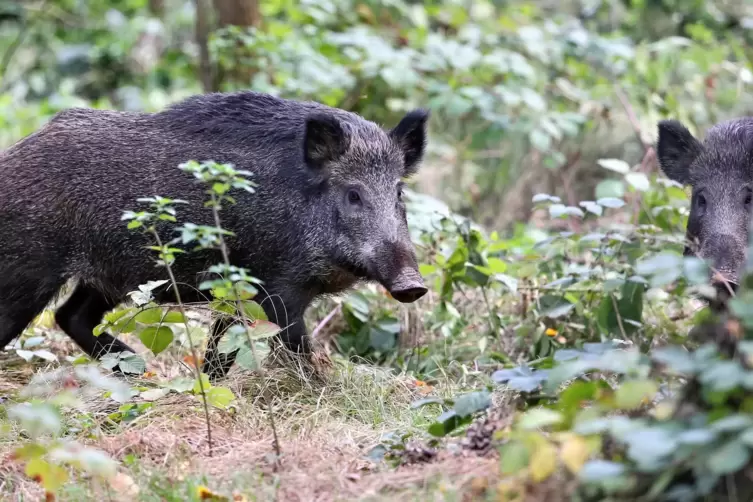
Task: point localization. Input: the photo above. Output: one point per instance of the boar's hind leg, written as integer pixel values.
(216, 364)
(293, 336)
(80, 314)
(20, 302)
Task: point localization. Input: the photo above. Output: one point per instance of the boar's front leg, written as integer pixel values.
(293, 335)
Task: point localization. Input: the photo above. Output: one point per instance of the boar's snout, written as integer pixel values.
(727, 256)
(407, 287)
(397, 271)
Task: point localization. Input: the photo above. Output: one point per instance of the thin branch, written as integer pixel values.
(324, 321)
(14, 46)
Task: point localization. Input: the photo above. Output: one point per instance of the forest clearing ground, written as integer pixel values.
(326, 427)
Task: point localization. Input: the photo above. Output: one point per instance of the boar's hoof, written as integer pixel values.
(409, 295)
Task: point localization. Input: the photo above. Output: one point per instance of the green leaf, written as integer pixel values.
(234, 339)
(610, 189)
(596, 471)
(559, 210)
(616, 165)
(696, 437)
(468, 404)
(132, 363)
(639, 181)
(611, 202)
(245, 358)
(198, 383)
(151, 315)
(173, 317)
(747, 437)
(514, 457)
(675, 358)
(423, 402)
(448, 422)
(731, 423)
(156, 338)
(263, 329)
(729, 458)
(592, 207)
(650, 444)
(220, 397)
(254, 311)
(181, 384)
(663, 268)
(559, 310)
(632, 393)
(539, 417)
(629, 308)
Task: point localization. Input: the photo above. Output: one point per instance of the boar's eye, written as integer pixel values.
(354, 197)
(400, 191)
(701, 201)
(748, 196)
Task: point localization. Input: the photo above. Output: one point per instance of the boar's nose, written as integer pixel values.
(726, 254)
(397, 271)
(407, 287)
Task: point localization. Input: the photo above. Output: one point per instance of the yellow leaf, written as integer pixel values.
(663, 411)
(46, 319)
(510, 491)
(543, 461)
(574, 453)
(205, 493)
(50, 476)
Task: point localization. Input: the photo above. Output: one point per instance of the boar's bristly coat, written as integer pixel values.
(327, 210)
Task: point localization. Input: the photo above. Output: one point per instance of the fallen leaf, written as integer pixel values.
(123, 483)
(574, 453)
(205, 493)
(189, 360)
(543, 461)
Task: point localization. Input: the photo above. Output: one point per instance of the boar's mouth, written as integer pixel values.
(404, 283)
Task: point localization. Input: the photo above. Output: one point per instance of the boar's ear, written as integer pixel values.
(410, 134)
(324, 140)
(676, 150)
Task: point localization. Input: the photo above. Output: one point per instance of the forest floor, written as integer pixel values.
(326, 427)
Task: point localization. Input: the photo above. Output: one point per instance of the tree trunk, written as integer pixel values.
(157, 8)
(243, 13)
(237, 12)
(206, 71)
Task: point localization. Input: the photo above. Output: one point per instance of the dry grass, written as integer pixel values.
(326, 427)
(327, 422)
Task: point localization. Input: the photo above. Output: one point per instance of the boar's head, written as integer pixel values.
(720, 172)
(358, 168)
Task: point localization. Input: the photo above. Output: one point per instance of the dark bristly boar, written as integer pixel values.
(720, 172)
(326, 214)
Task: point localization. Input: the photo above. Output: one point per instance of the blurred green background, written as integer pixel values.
(525, 96)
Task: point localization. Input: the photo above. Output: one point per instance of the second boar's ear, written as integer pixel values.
(324, 140)
(410, 135)
(676, 149)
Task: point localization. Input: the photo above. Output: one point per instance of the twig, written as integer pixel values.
(324, 321)
(191, 345)
(630, 111)
(13, 48)
(619, 317)
(239, 306)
